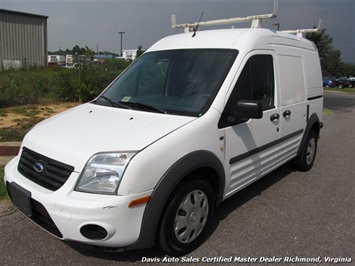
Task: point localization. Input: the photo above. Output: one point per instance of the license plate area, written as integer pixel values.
(21, 198)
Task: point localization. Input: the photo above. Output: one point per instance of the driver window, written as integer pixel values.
(256, 82)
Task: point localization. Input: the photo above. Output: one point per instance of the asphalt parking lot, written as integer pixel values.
(286, 218)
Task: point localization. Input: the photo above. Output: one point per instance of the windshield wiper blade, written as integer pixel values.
(114, 104)
(144, 106)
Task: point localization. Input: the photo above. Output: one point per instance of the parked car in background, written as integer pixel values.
(344, 82)
(351, 82)
(328, 82)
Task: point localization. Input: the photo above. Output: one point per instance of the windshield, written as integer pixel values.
(182, 82)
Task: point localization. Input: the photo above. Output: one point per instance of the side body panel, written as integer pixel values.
(248, 153)
(293, 106)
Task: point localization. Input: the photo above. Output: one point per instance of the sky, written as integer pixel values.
(96, 23)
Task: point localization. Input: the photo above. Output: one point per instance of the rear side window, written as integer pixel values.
(256, 82)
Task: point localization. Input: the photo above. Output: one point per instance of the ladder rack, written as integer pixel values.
(301, 31)
(256, 21)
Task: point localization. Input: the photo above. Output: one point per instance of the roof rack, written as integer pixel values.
(256, 21)
(300, 32)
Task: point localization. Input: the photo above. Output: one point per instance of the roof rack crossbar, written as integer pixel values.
(300, 32)
(256, 20)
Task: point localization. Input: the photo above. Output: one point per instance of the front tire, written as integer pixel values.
(305, 160)
(187, 217)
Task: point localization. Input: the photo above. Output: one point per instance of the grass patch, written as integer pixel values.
(346, 90)
(25, 110)
(18, 133)
(3, 192)
(3, 112)
(327, 111)
(15, 122)
(47, 111)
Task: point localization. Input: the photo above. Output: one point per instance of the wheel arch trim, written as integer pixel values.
(171, 179)
(313, 122)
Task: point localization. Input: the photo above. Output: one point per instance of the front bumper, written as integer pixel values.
(100, 220)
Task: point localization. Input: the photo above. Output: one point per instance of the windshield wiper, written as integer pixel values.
(135, 105)
(144, 106)
(114, 104)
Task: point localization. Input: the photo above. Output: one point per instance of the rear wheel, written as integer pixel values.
(305, 160)
(187, 217)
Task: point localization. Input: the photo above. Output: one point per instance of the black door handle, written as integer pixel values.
(274, 117)
(287, 113)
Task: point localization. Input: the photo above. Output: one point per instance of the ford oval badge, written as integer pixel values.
(39, 167)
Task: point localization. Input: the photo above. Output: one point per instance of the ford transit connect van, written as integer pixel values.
(191, 122)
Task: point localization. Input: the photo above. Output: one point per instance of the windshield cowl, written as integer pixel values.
(103, 100)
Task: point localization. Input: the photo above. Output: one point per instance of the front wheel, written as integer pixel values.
(305, 160)
(187, 217)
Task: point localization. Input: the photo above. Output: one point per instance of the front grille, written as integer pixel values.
(51, 174)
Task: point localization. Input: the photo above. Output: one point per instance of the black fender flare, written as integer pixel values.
(178, 172)
(313, 123)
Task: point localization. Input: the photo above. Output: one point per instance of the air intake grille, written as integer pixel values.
(42, 170)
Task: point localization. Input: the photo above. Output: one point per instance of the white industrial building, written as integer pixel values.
(129, 54)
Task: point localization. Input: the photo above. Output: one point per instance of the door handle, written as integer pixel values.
(287, 113)
(274, 117)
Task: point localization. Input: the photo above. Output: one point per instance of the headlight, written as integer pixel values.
(103, 173)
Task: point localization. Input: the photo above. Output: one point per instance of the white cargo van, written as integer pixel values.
(195, 119)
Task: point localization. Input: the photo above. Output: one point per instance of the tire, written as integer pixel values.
(187, 217)
(305, 160)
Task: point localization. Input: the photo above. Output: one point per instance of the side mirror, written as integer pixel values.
(248, 109)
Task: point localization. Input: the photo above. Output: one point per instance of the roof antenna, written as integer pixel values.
(198, 24)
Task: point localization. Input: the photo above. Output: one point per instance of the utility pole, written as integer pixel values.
(121, 33)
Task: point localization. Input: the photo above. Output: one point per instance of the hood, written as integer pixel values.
(72, 137)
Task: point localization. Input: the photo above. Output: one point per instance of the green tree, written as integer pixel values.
(89, 53)
(140, 51)
(349, 70)
(329, 57)
(76, 49)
